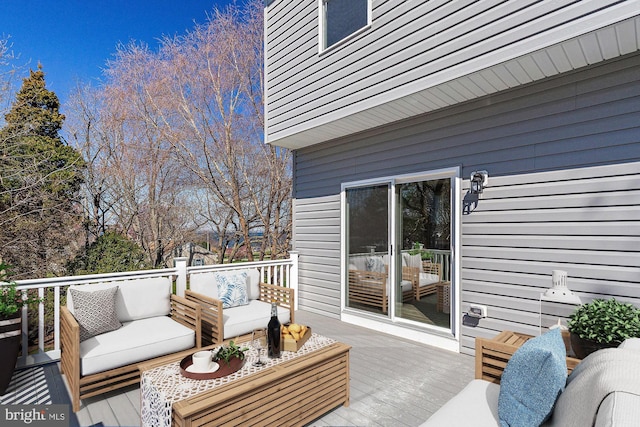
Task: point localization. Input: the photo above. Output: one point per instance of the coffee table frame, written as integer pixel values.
(292, 393)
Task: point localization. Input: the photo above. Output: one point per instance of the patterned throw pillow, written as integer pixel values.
(95, 311)
(232, 289)
(375, 264)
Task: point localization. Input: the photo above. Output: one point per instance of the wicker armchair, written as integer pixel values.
(426, 281)
(371, 288)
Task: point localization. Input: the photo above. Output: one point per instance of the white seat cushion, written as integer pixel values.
(245, 318)
(405, 285)
(428, 279)
(476, 405)
(134, 342)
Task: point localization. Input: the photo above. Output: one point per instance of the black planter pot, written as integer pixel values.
(10, 330)
(583, 347)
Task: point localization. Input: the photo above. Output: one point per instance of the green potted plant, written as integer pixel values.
(231, 354)
(11, 302)
(602, 323)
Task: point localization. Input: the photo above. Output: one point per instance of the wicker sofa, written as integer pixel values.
(141, 320)
(602, 390)
(240, 317)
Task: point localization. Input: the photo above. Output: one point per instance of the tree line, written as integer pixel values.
(167, 147)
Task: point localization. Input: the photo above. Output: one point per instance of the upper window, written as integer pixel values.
(341, 18)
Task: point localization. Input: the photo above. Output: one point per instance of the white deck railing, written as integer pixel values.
(283, 272)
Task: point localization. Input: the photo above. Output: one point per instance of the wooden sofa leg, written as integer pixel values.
(75, 402)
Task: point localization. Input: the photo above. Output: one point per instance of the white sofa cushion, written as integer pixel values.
(134, 342)
(245, 318)
(631, 344)
(476, 405)
(619, 409)
(154, 292)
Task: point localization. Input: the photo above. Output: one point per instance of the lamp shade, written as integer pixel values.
(559, 292)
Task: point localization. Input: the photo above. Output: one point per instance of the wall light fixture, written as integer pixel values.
(479, 180)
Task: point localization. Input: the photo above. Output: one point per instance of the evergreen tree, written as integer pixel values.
(109, 253)
(40, 177)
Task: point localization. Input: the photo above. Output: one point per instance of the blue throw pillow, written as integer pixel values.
(232, 289)
(531, 382)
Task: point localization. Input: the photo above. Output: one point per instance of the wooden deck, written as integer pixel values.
(394, 382)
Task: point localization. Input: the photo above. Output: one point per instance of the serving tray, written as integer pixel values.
(225, 369)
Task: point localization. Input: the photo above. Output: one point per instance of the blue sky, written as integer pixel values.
(73, 39)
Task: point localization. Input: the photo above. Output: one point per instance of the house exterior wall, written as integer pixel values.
(418, 44)
(563, 157)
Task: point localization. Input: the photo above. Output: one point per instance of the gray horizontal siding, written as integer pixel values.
(409, 43)
(509, 249)
(317, 238)
(563, 157)
(555, 124)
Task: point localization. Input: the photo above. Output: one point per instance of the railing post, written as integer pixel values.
(293, 276)
(181, 279)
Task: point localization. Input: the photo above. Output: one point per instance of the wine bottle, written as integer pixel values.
(273, 333)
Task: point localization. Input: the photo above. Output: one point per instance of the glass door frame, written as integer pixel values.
(452, 173)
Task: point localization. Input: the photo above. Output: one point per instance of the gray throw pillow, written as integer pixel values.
(95, 311)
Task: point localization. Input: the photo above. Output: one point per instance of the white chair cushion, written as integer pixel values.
(415, 261)
(136, 298)
(134, 342)
(476, 405)
(245, 318)
(206, 284)
(359, 262)
(253, 284)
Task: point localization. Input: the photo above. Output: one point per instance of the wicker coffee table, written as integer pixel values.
(292, 390)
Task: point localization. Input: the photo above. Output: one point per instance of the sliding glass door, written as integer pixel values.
(368, 248)
(423, 221)
(398, 248)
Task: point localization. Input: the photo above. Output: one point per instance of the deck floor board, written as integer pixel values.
(394, 381)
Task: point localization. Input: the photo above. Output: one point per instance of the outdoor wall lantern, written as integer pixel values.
(479, 180)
